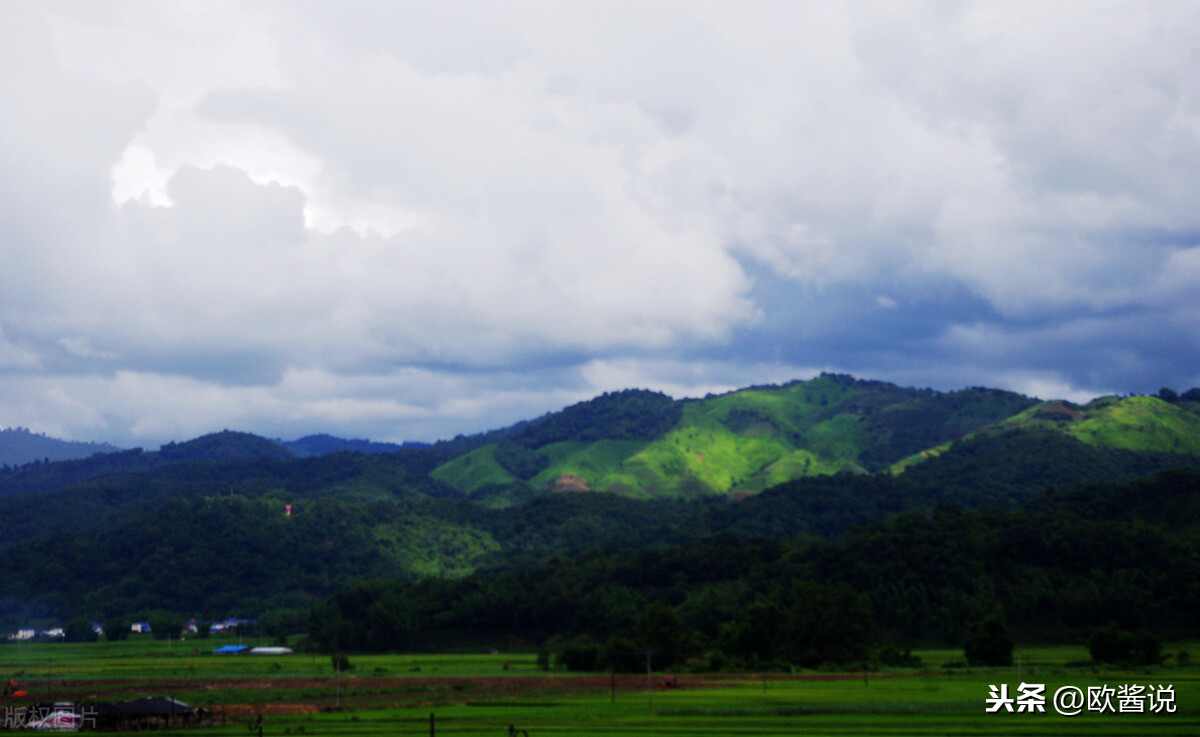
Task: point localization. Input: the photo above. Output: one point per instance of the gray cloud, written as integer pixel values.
(411, 221)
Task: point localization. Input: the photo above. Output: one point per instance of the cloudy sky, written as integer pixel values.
(409, 220)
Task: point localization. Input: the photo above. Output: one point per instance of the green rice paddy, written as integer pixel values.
(483, 694)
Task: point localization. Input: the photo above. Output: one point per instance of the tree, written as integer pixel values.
(829, 625)
(165, 626)
(117, 629)
(765, 623)
(989, 643)
(80, 630)
(582, 653)
(660, 630)
(327, 627)
(621, 654)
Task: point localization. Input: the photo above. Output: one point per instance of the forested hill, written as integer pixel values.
(233, 553)
(319, 445)
(19, 446)
(201, 527)
(1072, 562)
(644, 444)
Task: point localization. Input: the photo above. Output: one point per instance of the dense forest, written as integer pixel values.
(1070, 563)
(216, 556)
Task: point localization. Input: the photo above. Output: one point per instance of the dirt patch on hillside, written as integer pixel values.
(1058, 408)
(569, 482)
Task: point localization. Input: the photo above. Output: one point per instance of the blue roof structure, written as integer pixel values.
(232, 649)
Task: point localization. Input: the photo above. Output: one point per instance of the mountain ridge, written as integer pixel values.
(218, 512)
(20, 445)
(644, 444)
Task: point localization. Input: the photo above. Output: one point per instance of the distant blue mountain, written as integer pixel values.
(319, 445)
(19, 446)
(227, 445)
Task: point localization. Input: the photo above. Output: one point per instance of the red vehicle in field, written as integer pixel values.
(12, 688)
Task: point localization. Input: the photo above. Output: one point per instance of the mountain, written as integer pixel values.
(226, 445)
(1137, 423)
(222, 447)
(645, 445)
(635, 443)
(319, 445)
(19, 446)
(235, 523)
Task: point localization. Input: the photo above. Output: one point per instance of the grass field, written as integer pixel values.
(482, 694)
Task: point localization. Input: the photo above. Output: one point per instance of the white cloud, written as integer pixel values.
(216, 199)
(1048, 386)
(685, 379)
(14, 356)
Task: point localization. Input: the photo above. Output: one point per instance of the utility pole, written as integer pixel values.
(649, 680)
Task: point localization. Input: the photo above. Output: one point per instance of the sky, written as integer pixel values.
(410, 220)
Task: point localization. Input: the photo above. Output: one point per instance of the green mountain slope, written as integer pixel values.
(1138, 423)
(646, 446)
(474, 470)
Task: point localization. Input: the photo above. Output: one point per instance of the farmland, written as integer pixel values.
(482, 694)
